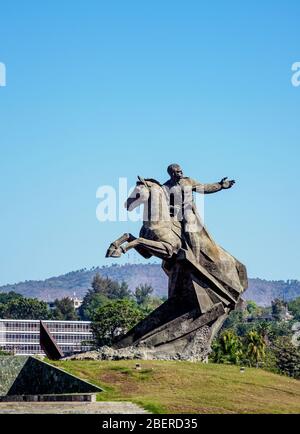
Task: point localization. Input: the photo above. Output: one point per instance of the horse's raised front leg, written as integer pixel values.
(114, 250)
(156, 248)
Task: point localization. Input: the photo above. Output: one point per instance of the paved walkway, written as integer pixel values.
(70, 408)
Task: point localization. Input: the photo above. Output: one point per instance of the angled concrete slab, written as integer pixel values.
(22, 375)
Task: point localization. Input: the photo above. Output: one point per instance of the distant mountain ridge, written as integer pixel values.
(260, 290)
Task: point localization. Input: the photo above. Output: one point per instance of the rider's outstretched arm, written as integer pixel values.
(206, 188)
(211, 188)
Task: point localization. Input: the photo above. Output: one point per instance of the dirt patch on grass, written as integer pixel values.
(120, 381)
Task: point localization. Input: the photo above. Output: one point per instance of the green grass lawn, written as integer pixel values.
(185, 387)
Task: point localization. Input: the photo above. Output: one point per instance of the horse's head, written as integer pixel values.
(141, 192)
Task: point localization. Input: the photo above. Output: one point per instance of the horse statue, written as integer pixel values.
(160, 235)
(205, 282)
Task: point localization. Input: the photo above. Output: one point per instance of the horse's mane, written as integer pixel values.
(151, 180)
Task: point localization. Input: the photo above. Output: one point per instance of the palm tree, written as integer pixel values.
(227, 348)
(255, 346)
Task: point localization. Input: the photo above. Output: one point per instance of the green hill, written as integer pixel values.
(185, 387)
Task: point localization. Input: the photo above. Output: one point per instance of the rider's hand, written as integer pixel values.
(225, 183)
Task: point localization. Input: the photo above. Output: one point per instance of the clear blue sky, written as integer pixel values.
(97, 90)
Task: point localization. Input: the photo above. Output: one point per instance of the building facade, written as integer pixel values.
(22, 337)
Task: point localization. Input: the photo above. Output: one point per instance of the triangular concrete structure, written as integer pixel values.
(26, 375)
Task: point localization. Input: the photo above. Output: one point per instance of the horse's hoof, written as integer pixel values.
(116, 253)
(113, 252)
(110, 250)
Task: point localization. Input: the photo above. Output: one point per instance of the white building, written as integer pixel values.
(23, 336)
(77, 302)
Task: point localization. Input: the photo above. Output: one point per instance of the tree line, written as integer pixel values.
(103, 292)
